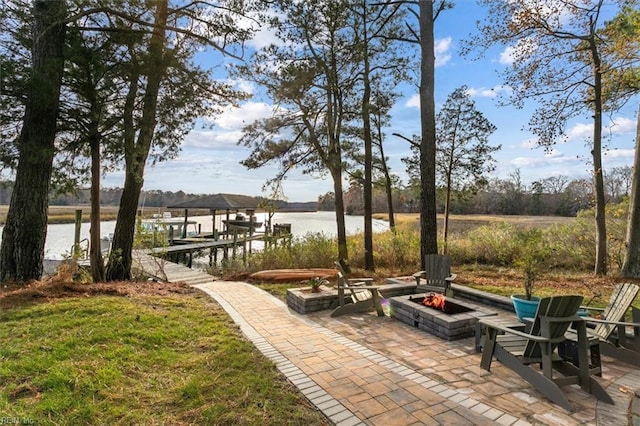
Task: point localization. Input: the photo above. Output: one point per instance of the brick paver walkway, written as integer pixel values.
(363, 369)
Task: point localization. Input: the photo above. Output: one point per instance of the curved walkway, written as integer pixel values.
(367, 370)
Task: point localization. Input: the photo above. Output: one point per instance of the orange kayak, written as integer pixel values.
(284, 275)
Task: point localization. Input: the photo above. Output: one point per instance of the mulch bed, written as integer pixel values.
(12, 295)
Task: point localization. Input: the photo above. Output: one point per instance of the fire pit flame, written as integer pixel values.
(435, 300)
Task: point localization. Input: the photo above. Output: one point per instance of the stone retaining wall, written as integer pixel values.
(304, 302)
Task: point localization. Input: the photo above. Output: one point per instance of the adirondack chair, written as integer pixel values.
(518, 350)
(436, 276)
(609, 336)
(356, 295)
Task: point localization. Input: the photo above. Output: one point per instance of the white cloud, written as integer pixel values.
(442, 51)
(492, 92)
(214, 139)
(522, 49)
(507, 56)
(619, 153)
(622, 125)
(549, 159)
(244, 86)
(233, 118)
(526, 162)
(529, 143)
(554, 153)
(617, 126)
(413, 101)
(264, 37)
(580, 131)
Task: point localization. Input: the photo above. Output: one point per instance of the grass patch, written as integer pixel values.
(279, 290)
(142, 359)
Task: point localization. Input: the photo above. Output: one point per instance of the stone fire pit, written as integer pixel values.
(409, 310)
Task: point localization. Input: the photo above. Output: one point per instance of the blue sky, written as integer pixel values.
(209, 160)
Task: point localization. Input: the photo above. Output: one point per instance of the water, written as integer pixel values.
(59, 240)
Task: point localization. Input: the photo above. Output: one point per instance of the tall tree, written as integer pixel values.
(463, 154)
(23, 238)
(631, 263)
(91, 118)
(374, 25)
(311, 75)
(366, 129)
(556, 58)
(171, 92)
(623, 56)
(119, 266)
(426, 13)
(380, 119)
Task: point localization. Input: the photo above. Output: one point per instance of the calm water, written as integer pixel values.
(60, 237)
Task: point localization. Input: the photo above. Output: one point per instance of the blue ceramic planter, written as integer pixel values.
(525, 308)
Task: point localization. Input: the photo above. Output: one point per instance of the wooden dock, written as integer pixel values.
(164, 270)
(183, 249)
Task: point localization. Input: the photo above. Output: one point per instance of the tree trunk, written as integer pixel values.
(598, 179)
(445, 230)
(119, 266)
(428, 223)
(343, 252)
(447, 203)
(389, 191)
(387, 177)
(631, 264)
(95, 255)
(25, 230)
(120, 258)
(368, 156)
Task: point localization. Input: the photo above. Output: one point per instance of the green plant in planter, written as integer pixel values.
(316, 282)
(532, 257)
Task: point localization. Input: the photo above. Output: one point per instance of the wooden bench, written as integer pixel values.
(522, 352)
(510, 321)
(609, 333)
(436, 276)
(356, 295)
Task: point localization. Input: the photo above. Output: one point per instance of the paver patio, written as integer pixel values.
(365, 369)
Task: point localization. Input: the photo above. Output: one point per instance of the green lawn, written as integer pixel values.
(138, 360)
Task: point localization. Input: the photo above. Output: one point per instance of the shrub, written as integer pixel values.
(532, 255)
(573, 245)
(397, 250)
(492, 244)
(314, 250)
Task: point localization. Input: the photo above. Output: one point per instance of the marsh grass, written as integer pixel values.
(138, 360)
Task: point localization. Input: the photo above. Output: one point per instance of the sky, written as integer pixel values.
(209, 161)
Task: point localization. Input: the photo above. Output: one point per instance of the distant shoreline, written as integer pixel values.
(67, 214)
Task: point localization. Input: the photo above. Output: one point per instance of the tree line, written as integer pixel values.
(552, 196)
(108, 197)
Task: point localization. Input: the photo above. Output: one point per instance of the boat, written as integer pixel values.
(173, 228)
(242, 223)
(293, 275)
